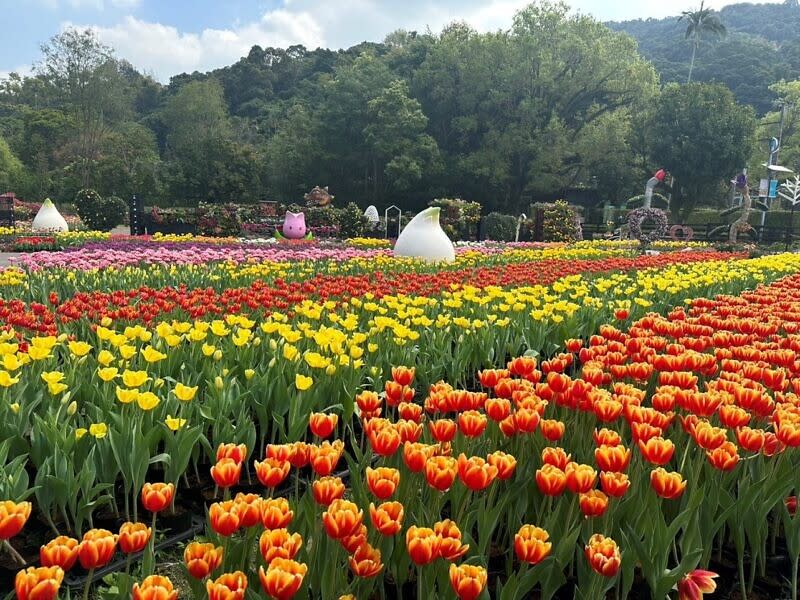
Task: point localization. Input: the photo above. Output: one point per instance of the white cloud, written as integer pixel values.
(164, 51)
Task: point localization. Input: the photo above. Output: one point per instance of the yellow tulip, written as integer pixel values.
(6, 348)
(14, 407)
(218, 382)
(134, 379)
(11, 362)
(302, 382)
(38, 353)
(52, 376)
(147, 400)
(249, 373)
(105, 358)
(290, 352)
(174, 423)
(208, 349)
(79, 348)
(108, 373)
(106, 321)
(127, 351)
(98, 430)
(126, 396)
(217, 355)
(72, 408)
(152, 355)
(6, 380)
(172, 340)
(56, 388)
(80, 432)
(184, 392)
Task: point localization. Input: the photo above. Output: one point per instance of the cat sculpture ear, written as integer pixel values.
(424, 238)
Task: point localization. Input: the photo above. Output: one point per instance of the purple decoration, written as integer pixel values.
(294, 225)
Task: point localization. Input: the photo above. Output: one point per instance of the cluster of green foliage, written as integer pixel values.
(100, 213)
(560, 223)
(555, 101)
(500, 227)
(459, 218)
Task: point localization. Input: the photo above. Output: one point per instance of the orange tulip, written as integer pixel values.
(13, 517)
(657, 450)
(443, 430)
(422, 544)
(369, 403)
(354, 541)
(733, 416)
(325, 457)
(551, 430)
(409, 430)
(59, 552)
(226, 472)
(248, 507)
(709, 437)
(468, 581)
(497, 409)
(551, 480)
(327, 489)
(788, 433)
(157, 496)
(275, 513)
(237, 453)
(508, 426)
(342, 518)
(283, 578)
(272, 472)
(612, 458)
(724, 458)
(666, 484)
(475, 473)
(472, 423)
(556, 457)
(403, 375)
(38, 583)
(384, 441)
(751, 440)
(394, 393)
(97, 548)
(603, 555)
(366, 561)
(387, 517)
(526, 420)
(607, 437)
(531, 544)
(440, 472)
(410, 412)
(279, 452)
(154, 587)
(279, 543)
(490, 377)
(382, 481)
(593, 503)
(202, 559)
(299, 454)
(449, 546)
(580, 478)
(224, 517)
(228, 586)
(133, 537)
(695, 584)
(614, 484)
(415, 455)
(505, 464)
(322, 425)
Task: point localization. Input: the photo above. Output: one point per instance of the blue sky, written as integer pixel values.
(166, 37)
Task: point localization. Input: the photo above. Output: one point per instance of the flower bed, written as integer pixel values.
(627, 442)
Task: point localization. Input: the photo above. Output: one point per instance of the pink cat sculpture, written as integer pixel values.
(294, 225)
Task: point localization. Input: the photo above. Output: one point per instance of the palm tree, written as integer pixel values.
(698, 22)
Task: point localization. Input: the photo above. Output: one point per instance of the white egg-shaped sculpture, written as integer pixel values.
(372, 214)
(424, 238)
(49, 219)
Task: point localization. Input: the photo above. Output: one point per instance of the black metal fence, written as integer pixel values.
(705, 233)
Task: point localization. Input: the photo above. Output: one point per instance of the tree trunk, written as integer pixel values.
(694, 54)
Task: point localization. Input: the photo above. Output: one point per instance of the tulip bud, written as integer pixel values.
(158, 382)
(217, 354)
(249, 373)
(15, 408)
(225, 372)
(374, 371)
(218, 382)
(273, 345)
(257, 341)
(272, 362)
(330, 370)
(72, 408)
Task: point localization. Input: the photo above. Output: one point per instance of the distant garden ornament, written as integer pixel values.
(681, 233)
(655, 216)
(49, 219)
(294, 227)
(424, 238)
(372, 215)
(318, 197)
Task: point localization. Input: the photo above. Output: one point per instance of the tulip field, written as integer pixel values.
(198, 418)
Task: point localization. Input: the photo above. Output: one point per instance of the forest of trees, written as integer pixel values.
(556, 101)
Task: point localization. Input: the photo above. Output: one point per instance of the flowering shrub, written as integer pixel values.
(459, 218)
(219, 220)
(560, 223)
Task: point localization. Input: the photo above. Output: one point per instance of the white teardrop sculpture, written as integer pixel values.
(424, 238)
(49, 219)
(372, 214)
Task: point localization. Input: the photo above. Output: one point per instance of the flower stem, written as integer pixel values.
(14, 554)
(88, 584)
